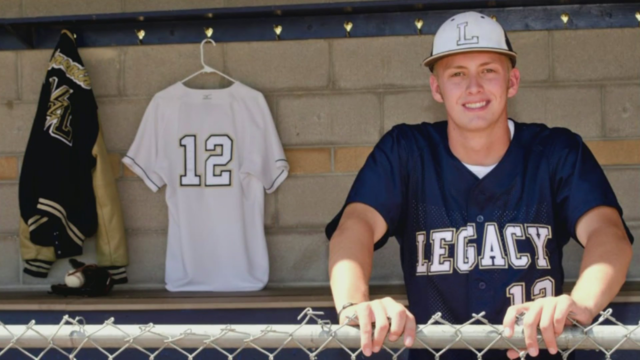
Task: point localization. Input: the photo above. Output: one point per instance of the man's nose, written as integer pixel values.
(474, 85)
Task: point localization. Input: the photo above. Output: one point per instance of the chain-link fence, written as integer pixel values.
(312, 336)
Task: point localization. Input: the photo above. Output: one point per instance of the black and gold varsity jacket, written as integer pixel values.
(67, 189)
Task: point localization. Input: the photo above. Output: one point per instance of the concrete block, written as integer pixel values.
(387, 268)
(529, 105)
(10, 260)
(34, 8)
(270, 213)
(102, 64)
(16, 119)
(9, 74)
(8, 168)
(10, 210)
(60, 268)
(616, 152)
(597, 54)
(381, 62)
(142, 208)
(11, 9)
(147, 254)
(412, 107)
(33, 70)
(159, 5)
(309, 161)
(272, 103)
(280, 65)
(622, 110)
(625, 184)
(329, 119)
(576, 108)
(298, 258)
(350, 159)
(115, 160)
(149, 69)
(572, 257)
(533, 54)
(120, 119)
(127, 172)
(312, 201)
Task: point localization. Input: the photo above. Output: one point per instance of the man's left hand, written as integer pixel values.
(550, 315)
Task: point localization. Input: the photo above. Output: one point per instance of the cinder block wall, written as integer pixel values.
(331, 100)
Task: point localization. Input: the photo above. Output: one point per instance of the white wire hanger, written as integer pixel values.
(206, 68)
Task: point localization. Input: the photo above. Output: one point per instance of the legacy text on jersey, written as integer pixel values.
(491, 255)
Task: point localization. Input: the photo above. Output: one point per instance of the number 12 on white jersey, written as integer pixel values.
(223, 145)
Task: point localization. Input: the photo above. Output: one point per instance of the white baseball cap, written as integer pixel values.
(469, 31)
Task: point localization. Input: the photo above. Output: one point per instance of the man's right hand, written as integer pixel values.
(388, 315)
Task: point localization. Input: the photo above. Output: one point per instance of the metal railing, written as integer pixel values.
(312, 336)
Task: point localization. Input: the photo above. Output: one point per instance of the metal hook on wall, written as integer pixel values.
(278, 30)
(348, 25)
(638, 17)
(208, 31)
(419, 23)
(565, 19)
(140, 33)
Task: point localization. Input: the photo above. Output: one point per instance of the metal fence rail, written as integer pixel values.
(312, 336)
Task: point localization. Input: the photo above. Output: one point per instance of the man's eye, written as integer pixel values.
(459, 73)
(489, 70)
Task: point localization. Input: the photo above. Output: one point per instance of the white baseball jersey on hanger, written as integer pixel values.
(217, 151)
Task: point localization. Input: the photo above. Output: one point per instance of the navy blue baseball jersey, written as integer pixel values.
(469, 245)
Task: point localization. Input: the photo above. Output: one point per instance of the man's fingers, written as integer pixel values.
(530, 325)
(382, 325)
(364, 318)
(560, 317)
(547, 326)
(509, 321)
(409, 329)
(402, 322)
(398, 315)
(512, 354)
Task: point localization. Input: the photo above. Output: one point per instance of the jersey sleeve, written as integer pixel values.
(265, 157)
(580, 183)
(380, 184)
(142, 157)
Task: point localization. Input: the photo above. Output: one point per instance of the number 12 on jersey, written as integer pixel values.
(541, 288)
(223, 144)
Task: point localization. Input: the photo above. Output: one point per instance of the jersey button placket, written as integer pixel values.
(480, 218)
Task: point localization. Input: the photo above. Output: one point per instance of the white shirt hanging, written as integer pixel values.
(217, 151)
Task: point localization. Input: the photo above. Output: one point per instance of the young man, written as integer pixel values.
(481, 206)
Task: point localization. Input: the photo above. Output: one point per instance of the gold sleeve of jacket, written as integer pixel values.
(111, 244)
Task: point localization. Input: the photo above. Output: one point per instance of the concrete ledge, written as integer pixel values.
(269, 298)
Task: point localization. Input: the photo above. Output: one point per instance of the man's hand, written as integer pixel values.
(389, 317)
(550, 315)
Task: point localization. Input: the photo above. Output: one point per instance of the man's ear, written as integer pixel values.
(435, 89)
(514, 82)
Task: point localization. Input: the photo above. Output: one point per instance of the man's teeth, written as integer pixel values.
(476, 105)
